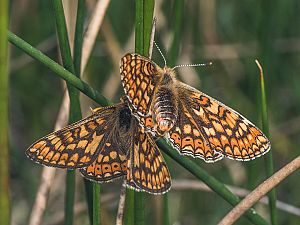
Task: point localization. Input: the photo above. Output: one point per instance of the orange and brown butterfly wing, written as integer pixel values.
(76, 145)
(110, 164)
(147, 169)
(187, 139)
(139, 77)
(112, 159)
(224, 130)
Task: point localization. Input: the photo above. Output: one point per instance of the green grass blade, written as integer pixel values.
(92, 189)
(139, 198)
(75, 111)
(4, 151)
(269, 156)
(69, 197)
(139, 26)
(177, 31)
(57, 69)
(165, 209)
(143, 26)
(139, 208)
(62, 33)
(77, 50)
(78, 38)
(129, 207)
(88, 186)
(196, 170)
(96, 203)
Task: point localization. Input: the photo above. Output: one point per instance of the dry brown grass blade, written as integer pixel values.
(188, 184)
(93, 30)
(48, 173)
(260, 191)
(120, 214)
(115, 51)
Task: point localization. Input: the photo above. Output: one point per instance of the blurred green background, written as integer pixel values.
(231, 34)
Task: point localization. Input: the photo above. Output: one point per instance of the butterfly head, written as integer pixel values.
(167, 75)
(164, 125)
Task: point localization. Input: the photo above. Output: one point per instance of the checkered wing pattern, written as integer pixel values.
(139, 77)
(76, 145)
(147, 168)
(110, 164)
(187, 138)
(210, 130)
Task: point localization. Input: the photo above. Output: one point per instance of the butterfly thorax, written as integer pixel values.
(124, 119)
(124, 127)
(165, 104)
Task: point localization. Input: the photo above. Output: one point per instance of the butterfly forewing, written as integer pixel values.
(111, 162)
(224, 130)
(147, 168)
(74, 146)
(138, 75)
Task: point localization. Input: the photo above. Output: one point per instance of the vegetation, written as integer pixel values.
(231, 35)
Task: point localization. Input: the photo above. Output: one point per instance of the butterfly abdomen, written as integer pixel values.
(165, 109)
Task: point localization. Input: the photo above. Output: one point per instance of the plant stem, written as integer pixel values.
(177, 31)
(96, 203)
(166, 210)
(269, 156)
(57, 69)
(129, 207)
(77, 52)
(4, 151)
(75, 111)
(143, 26)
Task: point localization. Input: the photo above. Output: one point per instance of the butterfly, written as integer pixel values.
(194, 123)
(107, 145)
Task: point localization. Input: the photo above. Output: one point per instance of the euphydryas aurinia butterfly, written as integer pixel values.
(193, 122)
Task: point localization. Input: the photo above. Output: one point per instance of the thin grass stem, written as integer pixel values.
(4, 150)
(57, 69)
(75, 111)
(269, 156)
(129, 207)
(96, 204)
(143, 27)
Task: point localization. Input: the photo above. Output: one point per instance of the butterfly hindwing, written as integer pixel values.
(185, 136)
(111, 162)
(147, 168)
(76, 145)
(139, 76)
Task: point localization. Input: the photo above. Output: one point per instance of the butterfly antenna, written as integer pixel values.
(193, 65)
(161, 53)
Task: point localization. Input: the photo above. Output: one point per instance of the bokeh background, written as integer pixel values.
(231, 34)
